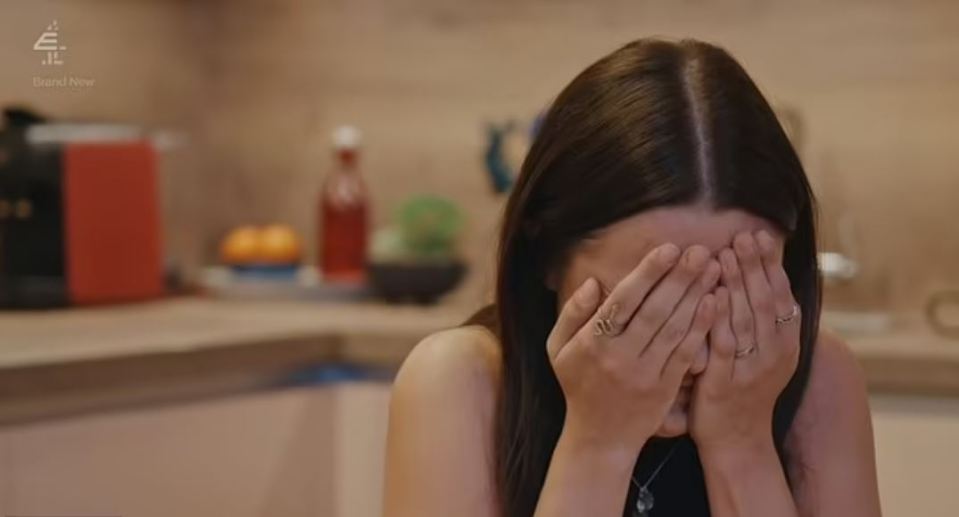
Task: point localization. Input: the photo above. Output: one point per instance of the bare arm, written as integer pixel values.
(585, 480)
(439, 457)
(748, 481)
(831, 448)
(752, 357)
(832, 439)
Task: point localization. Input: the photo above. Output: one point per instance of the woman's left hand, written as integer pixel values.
(753, 349)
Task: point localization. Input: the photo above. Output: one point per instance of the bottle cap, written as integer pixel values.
(346, 138)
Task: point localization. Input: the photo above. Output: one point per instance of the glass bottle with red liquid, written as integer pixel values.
(344, 212)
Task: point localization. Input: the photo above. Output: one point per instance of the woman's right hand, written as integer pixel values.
(619, 386)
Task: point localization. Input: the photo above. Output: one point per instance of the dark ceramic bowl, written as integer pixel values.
(416, 282)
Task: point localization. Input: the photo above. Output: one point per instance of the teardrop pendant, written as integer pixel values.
(644, 502)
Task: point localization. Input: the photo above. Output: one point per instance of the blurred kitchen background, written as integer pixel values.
(244, 380)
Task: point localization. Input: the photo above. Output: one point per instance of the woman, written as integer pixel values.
(653, 349)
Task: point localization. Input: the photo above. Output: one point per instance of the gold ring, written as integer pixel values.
(605, 326)
(782, 320)
(745, 352)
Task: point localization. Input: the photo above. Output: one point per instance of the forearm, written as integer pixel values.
(747, 482)
(585, 479)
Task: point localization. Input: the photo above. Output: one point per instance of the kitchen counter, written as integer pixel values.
(189, 325)
(64, 362)
(54, 363)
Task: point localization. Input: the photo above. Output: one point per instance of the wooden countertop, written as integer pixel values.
(187, 325)
(60, 362)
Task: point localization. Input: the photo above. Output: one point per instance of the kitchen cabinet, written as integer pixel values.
(917, 449)
(319, 451)
(244, 456)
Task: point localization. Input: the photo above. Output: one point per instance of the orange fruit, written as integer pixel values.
(240, 246)
(279, 244)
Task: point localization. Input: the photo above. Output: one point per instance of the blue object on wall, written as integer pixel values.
(500, 173)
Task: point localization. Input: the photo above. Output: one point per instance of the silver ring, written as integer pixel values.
(745, 352)
(605, 326)
(782, 320)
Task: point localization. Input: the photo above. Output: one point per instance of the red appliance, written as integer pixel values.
(79, 221)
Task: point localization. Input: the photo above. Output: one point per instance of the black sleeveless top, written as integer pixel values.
(679, 489)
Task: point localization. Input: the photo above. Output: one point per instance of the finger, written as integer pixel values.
(679, 323)
(758, 291)
(630, 292)
(576, 312)
(740, 313)
(783, 298)
(722, 341)
(768, 245)
(661, 303)
(682, 356)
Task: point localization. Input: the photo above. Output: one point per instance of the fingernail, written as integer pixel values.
(696, 257)
(766, 243)
(668, 253)
(588, 292)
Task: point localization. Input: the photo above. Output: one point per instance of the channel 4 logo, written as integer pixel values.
(49, 43)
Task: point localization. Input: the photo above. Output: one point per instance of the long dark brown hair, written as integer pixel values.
(653, 124)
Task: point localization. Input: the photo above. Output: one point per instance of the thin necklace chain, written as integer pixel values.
(656, 472)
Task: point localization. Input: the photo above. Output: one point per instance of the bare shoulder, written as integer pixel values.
(464, 359)
(836, 388)
(439, 457)
(833, 464)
